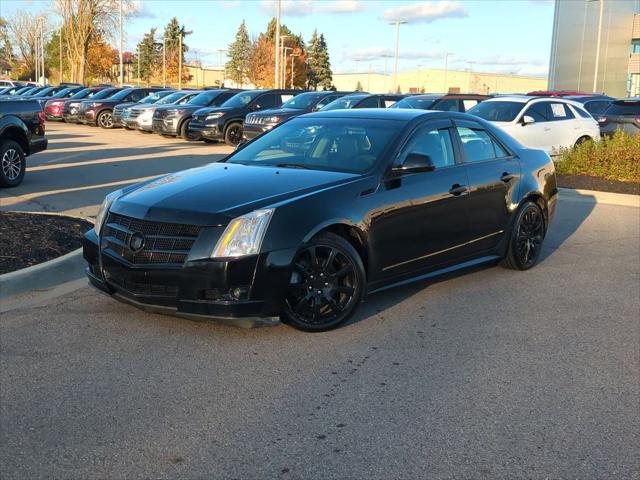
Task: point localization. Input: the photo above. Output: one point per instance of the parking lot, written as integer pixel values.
(487, 374)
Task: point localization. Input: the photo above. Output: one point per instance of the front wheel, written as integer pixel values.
(326, 285)
(527, 235)
(184, 131)
(105, 119)
(233, 134)
(13, 164)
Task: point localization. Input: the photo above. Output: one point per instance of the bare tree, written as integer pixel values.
(23, 30)
(82, 21)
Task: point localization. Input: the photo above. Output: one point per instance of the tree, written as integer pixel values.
(83, 20)
(22, 31)
(52, 56)
(150, 54)
(359, 87)
(6, 50)
(319, 67)
(100, 60)
(172, 33)
(239, 54)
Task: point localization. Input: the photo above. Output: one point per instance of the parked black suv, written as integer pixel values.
(453, 102)
(21, 134)
(71, 109)
(364, 100)
(225, 122)
(94, 112)
(623, 114)
(174, 119)
(257, 123)
(594, 104)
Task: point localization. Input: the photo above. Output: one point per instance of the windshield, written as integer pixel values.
(342, 103)
(342, 145)
(33, 91)
(302, 101)
(83, 93)
(172, 98)
(46, 92)
(107, 92)
(121, 94)
(155, 96)
(203, 99)
(241, 99)
(64, 93)
(419, 103)
(497, 111)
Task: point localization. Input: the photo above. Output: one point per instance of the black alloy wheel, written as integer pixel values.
(526, 238)
(326, 286)
(12, 164)
(105, 119)
(233, 134)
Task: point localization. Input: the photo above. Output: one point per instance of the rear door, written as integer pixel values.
(493, 174)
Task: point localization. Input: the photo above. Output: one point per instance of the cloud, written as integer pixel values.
(425, 12)
(138, 9)
(376, 53)
(302, 8)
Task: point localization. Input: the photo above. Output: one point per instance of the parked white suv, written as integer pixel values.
(540, 122)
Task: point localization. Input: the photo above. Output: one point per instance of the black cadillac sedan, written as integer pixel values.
(303, 221)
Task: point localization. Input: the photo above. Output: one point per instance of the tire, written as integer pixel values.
(105, 119)
(582, 140)
(12, 164)
(126, 128)
(526, 238)
(208, 140)
(184, 130)
(326, 286)
(233, 134)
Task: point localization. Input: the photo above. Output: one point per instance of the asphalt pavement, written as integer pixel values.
(492, 374)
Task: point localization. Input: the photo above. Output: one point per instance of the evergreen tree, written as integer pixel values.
(319, 72)
(172, 43)
(149, 53)
(239, 54)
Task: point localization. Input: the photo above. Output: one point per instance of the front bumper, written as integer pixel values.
(211, 130)
(165, 126)
(199, 288)
(251, 131)
(87, 117)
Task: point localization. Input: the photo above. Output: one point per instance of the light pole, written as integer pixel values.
(121, 47)
(277, 52)
(180, 59)
(397, 23)
(284, 65)
(595, 73)
(36, 59)
(446, 67)
(164, 61)
(138, 65)
(60, 55)
(281, 60)
(293, 62)
(220, 52)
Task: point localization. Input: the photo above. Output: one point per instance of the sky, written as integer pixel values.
(506, 36)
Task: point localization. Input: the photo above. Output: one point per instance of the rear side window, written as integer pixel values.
(583, 113)
(448, 105)
(478, 145)
(596, 107)
(467, 104)
(371, 102)
(285, 97)
(434, 142)
(624, 108)
(268, 101)
(389, 102)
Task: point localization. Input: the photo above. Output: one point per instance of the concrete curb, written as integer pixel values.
(46, 275)
(605, 198)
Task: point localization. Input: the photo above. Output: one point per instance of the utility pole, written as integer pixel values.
(37, 58)
(283, 83)
(60, 52)
(277, 49)
(180, 59)
(138, 65)
(446, 65)
(595, 73)
(121, 52)
(293, 63)
(164, 61)
(397, 23)
(44, 76)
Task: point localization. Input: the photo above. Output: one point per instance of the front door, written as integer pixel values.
(422, 218)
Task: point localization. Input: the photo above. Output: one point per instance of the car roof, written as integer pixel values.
(404, 114)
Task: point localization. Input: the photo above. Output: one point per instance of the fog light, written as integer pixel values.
(238, 293)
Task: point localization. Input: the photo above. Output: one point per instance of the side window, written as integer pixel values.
(538, 111)
(135, 96)
(478, 145)
(583, 113)
(266, 101)
(435, 142)
(371, 102)
(596, 108)
(447, 105)
(285, 97)
(325, 101)
(467, 104)
(388, 102)
(559, 111)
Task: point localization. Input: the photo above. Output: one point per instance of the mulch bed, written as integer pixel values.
(27, 239)
(585, 182)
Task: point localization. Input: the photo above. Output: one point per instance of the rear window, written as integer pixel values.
(497, 111)
(624, 108)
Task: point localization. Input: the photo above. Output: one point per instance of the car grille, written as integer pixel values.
(140, 288)
(133, 114)
(165, 243)
(255, 120)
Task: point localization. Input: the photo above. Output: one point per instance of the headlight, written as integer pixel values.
(272, 120)
(104, 209)
(212, 116)
(244, 235)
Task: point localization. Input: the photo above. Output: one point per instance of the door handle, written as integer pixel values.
(458, 189)
(506, 177)
(546, 129)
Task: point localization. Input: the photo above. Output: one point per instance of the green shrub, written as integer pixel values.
(614, 158)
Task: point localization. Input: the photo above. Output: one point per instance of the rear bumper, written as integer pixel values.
(38, 145)
(199, 288)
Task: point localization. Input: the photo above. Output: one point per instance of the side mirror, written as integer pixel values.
(527, 120)
(415, 163)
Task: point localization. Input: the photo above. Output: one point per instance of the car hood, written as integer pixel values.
(281, 112)
(204, 110)
(215, 193)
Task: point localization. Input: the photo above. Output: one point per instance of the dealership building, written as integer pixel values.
(596, 47)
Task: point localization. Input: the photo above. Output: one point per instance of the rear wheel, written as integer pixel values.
(105, 119)
(233, 134)
(12, 164)
(327, 284)
(526, 240)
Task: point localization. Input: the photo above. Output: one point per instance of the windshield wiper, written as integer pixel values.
(293, 165)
